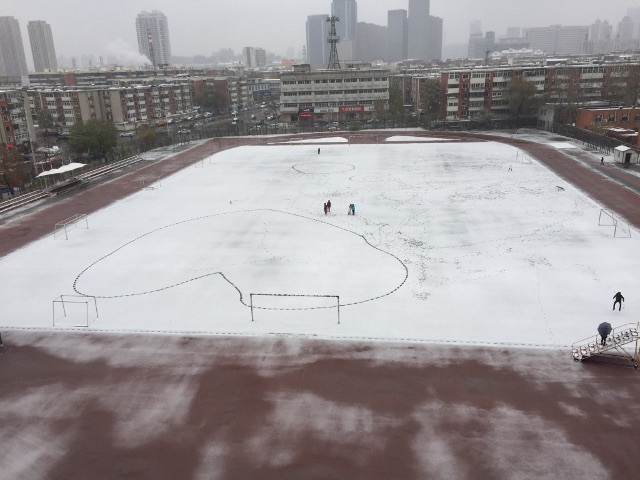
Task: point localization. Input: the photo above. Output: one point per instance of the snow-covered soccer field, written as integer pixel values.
(468, 243)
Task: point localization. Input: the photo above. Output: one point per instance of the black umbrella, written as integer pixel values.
(604, 329)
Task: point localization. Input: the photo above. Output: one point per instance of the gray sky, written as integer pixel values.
(103, 27)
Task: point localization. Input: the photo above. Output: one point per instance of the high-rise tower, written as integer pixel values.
(397, 35)
(13, 62)
(42, 47)
(347, 12)
(317, 45)
(418, 21)
(153, 37)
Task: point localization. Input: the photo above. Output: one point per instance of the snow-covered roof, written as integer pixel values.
(62, 169)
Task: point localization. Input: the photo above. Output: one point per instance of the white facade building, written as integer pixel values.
(42, 47)
(338, 95)
(152, 30)
(13, 62)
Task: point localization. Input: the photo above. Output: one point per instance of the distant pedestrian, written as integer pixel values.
(352, 208)
(619, 299)
(325, 208)
(601, 160)
(329, 206)
(318, 151)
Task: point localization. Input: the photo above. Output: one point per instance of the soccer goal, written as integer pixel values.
(150, 183)
(74, 311)
(608, 219)
(522, 157)
(291, 301)
(62, 229)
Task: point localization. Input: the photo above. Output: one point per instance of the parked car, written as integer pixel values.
(127, 134)
(184, 131)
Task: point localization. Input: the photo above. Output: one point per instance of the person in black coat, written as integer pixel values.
(618, 299)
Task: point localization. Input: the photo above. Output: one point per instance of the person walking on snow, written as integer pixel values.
(619, 299)
(601, 160)
(329, 206)
(325, 208)
(352, 209)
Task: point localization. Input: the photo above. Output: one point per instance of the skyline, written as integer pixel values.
(198, 27)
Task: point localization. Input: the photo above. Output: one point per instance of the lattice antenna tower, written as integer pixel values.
(333, 39)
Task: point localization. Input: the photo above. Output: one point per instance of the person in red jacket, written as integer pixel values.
(329, 206)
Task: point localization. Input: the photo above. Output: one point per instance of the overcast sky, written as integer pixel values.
(103, 27)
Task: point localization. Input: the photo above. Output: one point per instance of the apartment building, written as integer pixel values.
(254, 57)
(337, 95)
(14, 121)
(13, 62)
(121, 106)
(42, 47)
(152, 29)
(468, 91)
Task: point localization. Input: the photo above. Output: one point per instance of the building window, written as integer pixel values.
(625, 117)
(612, 117)
(599, 118)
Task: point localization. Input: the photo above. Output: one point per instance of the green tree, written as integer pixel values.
(146, 137)
(431, 93)
(208, 99)
(94, 138)
(397, 112)
(46, 122)
(381, 112)
(522, 97)
(484, 119)
(15, 170)
(623, 85)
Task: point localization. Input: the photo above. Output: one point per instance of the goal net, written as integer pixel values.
(621, 229)
(297, 303)
(74, 311)
(62, 229)
(150, 183)
(523, 157)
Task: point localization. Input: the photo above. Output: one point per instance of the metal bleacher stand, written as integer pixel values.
(616, 348)
(27, 198)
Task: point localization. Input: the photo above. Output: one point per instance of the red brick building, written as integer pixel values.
(606, 120)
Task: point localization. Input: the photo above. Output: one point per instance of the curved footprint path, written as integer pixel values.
(243, 248)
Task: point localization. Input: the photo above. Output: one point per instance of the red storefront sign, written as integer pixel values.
(351, 108)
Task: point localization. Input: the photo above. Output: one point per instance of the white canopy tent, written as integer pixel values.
(63, 169)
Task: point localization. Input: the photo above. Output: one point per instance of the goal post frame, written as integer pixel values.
(76, 299)
(69, 224)
(618, 225)
(337, 297)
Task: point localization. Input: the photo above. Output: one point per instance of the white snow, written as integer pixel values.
(319, 140)
(405, 138)
(447, 245)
